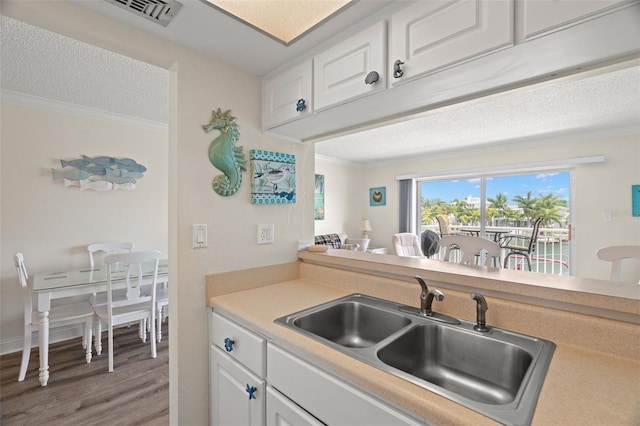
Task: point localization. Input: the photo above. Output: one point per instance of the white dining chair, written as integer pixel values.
(162, 310)
(97, 252)
(615, 255)
(473, 250)
(59, 316)
(136, 306)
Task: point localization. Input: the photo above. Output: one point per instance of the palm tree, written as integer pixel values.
(549, 207)
(527, 205)
(500, 203)
(462, 211)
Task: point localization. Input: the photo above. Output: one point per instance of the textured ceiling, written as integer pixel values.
(595, 104)
(203, 28)
(45, 64)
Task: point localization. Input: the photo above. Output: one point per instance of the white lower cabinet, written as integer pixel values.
(326, 397)
(256, 382)
(281, 411)
(236, 374)
(238, 397)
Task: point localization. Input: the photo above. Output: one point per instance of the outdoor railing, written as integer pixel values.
(551, 255)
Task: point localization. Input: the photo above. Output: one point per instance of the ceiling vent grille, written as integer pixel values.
(158, 11)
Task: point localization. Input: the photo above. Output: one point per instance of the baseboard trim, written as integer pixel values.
(59, 334)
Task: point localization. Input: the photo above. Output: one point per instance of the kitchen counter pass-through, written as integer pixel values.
(275, 371)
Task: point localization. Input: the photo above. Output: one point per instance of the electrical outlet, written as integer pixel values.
(265, 234)
(606, 216)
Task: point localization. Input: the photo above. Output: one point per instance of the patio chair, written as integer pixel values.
(443, 224)
(510, 242)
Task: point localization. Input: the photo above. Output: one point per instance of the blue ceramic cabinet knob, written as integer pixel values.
(228, 344)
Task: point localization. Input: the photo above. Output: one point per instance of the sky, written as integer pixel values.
(540, 184)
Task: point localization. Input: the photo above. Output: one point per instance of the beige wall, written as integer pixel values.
(52, 225)
(343, 198)
(599, 187)
(198, 85)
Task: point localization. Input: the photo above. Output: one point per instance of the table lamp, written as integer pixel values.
(365, 227)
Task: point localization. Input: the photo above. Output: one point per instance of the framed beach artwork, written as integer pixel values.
(318, 201)
(635, 200)
(378, 196)
(273, 177)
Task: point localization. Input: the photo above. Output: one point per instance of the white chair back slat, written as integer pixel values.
(133, 274)
(470, 247)
(615, 255)
(23, 278)
(107, 248)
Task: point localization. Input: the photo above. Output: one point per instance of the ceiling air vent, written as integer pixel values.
(158, 11)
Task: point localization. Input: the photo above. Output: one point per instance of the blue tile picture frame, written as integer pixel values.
(273, 177)
(378, 196)
(635, 200)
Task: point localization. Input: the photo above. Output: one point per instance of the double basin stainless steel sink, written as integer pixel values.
(498, 373)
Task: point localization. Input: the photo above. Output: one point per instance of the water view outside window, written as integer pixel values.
(512, 204)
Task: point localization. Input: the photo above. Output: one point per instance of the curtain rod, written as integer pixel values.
(507, 168)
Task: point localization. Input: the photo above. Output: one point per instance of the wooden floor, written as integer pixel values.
(136, 393)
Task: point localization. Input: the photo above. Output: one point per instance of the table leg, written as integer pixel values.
(44, 347)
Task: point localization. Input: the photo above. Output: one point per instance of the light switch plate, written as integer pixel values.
(265, 234)
(199, 236)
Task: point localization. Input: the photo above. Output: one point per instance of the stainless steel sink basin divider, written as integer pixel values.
(497, 372)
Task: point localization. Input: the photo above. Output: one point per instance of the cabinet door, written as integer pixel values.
(241, 344)
(326, 397)
(339, 73)
(281, 411)
(430, 35)
(233, 400)
(287, 96)
(543, 16)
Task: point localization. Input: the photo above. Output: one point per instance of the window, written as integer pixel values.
(503, 207)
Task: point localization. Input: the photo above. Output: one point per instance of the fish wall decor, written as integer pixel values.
(100, 173)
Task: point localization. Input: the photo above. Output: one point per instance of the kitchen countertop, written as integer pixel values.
(582, 386)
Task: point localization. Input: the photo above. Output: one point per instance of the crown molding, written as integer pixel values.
(337, 161)
(18, 98)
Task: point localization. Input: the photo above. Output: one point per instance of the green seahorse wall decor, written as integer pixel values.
(223, 153)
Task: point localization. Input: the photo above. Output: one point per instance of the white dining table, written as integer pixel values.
(77, 282)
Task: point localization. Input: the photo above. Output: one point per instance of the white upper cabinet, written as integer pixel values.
(430, 35)
(287, 96)
(351, 69)
(447, 50)
(543, 16)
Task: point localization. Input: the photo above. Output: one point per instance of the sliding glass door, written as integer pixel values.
(503, 208)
